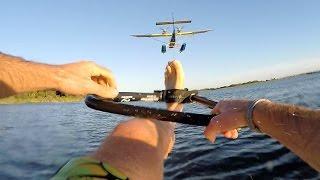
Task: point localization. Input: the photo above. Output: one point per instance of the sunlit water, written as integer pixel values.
(36, 139)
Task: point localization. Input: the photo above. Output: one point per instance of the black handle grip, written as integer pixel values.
(107, 105)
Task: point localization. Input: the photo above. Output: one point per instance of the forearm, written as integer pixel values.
(295, 127)
(165, 130)
(18, 75)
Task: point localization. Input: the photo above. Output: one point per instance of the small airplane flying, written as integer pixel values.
(176, 31)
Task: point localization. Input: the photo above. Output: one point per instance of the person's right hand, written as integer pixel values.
(230, 115)
(85, 77)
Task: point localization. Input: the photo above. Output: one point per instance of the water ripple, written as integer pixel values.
(35, 140)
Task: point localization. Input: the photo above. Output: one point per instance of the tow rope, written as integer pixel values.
(169, 96)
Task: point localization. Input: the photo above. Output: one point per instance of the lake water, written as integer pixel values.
(36, 139)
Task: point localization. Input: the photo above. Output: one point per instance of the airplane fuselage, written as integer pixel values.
(172, 42)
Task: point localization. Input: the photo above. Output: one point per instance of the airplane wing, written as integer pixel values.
(173, 22)
(153, 35)
(192, 32)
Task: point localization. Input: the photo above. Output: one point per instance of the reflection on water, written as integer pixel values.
(36, 139)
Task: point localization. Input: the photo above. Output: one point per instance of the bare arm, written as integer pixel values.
(138, 147)
(18, 75)
(295, 127)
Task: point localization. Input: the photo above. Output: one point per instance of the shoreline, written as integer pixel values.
(40, 97)
(50, 96)
(258, 81)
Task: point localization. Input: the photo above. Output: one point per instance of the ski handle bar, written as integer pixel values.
(108, 105)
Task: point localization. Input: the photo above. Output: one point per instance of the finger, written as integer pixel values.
(223, 123)
(177, 70)
(175, 107)
(228, 134)
(111, 81)
(101, 81)
(211, 138)
(232, 134)
(235, 134)
(100, 90)
(108, 81)
(210, 133)
(212, 129)
(106, 74)
(177, 65)
(94, 78)
(168, 70)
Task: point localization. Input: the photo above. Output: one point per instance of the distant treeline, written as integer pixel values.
(256, 81)
(40, 97)
(233, 85)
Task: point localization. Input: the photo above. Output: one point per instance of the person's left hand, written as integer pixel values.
(85, 77)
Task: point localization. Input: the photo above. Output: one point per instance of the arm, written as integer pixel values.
(138, 147)
(295, 127)
(18, 75)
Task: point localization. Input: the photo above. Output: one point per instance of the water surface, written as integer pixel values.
(36, 139)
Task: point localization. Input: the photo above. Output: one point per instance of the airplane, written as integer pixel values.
(176, 31)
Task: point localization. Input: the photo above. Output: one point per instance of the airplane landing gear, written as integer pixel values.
(163, 49)
(183, 47)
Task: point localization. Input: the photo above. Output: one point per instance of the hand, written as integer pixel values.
(85, 77)
(230, 116)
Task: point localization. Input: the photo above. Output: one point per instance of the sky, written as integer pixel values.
(252, 40)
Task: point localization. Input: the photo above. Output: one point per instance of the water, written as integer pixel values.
(36, 139)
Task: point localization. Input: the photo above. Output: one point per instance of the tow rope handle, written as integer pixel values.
(106, 105)
(169, 96)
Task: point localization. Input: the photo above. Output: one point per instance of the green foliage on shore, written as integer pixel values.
(40, 97)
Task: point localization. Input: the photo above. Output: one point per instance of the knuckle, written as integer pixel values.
(213, 123)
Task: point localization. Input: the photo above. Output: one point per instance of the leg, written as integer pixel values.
(138, 147)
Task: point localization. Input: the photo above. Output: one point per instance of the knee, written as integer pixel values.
(143, 130)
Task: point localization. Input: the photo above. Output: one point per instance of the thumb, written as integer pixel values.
(222, 123)
(212, 129)
(101, 90)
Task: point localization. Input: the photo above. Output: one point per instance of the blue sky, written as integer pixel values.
(251, 39)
